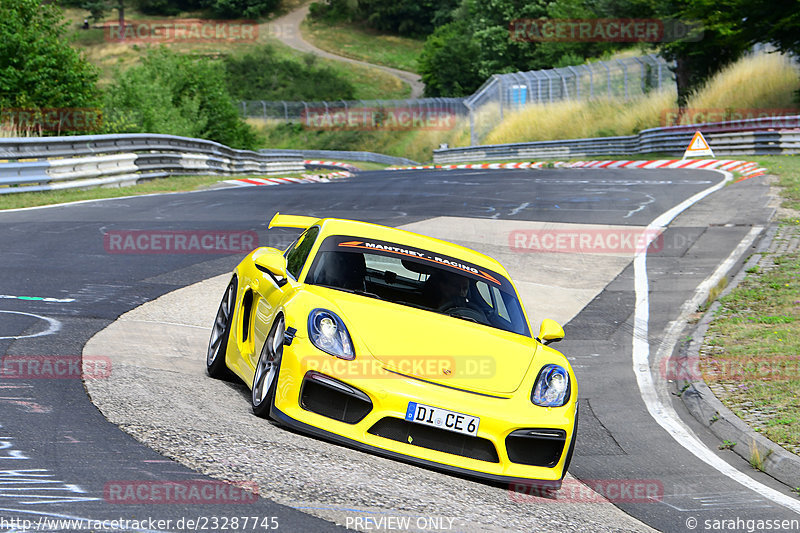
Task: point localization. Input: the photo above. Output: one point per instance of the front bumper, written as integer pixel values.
(378, 424)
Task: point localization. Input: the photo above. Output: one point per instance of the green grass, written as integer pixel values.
(160, 185)
(754, 84)
(754, 343)
(370, 83)
(364, 165)
(360, 42)
(416, 145)
(171, 184)
(787, 168)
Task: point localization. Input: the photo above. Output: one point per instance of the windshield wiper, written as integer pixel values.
(465, 317)
(351, 291)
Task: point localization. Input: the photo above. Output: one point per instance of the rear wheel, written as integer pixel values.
(268, 367)
(220, 331)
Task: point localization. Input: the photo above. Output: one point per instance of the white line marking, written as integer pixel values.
(519, 208)
(172, 324)
(36, 298)
(53, 325)
(641, 206)
(662, 412)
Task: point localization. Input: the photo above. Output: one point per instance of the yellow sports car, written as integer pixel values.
(399, 344)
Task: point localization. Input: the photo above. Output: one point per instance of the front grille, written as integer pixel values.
(435, 439)
(536, 447)
(329, 397)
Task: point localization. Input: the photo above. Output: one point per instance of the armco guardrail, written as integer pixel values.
(368, 157)
(94, 160)
(767, 136)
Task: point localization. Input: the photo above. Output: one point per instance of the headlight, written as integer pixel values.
(552, 387)
(328, 333)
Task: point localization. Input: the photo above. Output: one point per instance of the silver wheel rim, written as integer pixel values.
(268, 363)
(220, 325)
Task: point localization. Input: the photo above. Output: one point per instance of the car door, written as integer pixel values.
(270, 295)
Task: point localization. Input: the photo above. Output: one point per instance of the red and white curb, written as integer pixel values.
(303, 178)
(317, 163)
(747, 169)
(538, 164)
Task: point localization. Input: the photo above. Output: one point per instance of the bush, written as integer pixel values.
(179, 95)
(241, 8)
(36, 68)
(411, 18)
(168, 7)
(333, 10)
(447, 63)
(262, 75)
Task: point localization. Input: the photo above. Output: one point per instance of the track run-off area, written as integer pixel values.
(147, 420)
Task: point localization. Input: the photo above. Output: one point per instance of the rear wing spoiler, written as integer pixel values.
(291, 221)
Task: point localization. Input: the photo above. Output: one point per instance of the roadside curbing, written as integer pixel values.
(698, 398)
(747, 169)
(709, 411)
(314, 163)
(304, 178)
(348, 172)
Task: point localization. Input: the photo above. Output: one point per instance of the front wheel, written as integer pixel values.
(218, 344)
(265, 379)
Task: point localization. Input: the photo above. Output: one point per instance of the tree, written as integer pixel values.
(729, 28)
(241, 8)
(262, 75)
(447, 63)
(414, 18)
(36, 68)
(98, 9)
(179, 95)
(459, 56)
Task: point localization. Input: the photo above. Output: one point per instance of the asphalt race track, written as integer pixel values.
(62, 284)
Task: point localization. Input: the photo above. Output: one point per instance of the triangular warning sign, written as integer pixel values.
(698, 146)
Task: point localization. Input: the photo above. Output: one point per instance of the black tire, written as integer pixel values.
(268, 368)
(220, 332)
(571, 445)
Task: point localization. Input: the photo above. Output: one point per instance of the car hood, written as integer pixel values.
(438, 348)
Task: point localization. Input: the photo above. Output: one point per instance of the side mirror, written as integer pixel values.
(271, 261)
(550, 331)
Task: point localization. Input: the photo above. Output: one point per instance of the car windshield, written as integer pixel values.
(417, 278)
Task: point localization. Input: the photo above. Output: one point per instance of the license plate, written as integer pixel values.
(442, 418)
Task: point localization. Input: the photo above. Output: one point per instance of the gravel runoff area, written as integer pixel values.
(786, 241)
(159, 393)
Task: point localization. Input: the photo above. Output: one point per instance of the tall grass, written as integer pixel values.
(11, 129)
(762, 81)
(570, 119)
